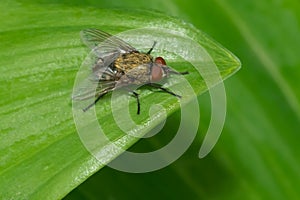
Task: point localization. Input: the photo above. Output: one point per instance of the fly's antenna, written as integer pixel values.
(154, 43)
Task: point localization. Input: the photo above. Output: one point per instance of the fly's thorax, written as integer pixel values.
(127, 61)
(136, 76)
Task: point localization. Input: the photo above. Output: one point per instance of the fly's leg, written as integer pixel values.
(136, 95)
(184, 73)
(150, 50)
(96, 100)
(178, 73)
(163, 89)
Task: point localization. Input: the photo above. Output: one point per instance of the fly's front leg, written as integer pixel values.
(163, 89)
(150, 50)
(178, 73)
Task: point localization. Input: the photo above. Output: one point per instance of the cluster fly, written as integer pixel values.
(117, 65)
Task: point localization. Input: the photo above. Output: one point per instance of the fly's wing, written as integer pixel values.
(85, 92)
(95, 39)
(91, 88)
(89, 83)
(95, 71)
(104, 46)
(106, 49)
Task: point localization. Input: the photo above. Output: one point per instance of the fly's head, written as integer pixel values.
(160, 70)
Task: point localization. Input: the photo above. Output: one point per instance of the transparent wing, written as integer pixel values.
(103, 44)
(88, 92)
(91, 88)
(90, 82)
(105, 50)
(96, 77)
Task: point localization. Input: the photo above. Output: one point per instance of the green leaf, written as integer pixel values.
(257, 156)
(41, 154)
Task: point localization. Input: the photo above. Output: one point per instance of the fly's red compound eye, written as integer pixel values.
(160, 60)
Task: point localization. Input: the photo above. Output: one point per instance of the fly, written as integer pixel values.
(117, 65)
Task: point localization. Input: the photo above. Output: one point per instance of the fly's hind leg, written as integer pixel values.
(163, 89)
(104, 92)
(96, 100)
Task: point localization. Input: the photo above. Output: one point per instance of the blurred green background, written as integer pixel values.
(257, 155)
